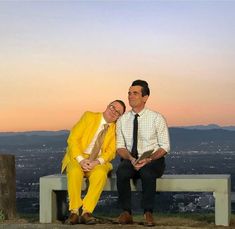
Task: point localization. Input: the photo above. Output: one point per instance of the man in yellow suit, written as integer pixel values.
(89, 155)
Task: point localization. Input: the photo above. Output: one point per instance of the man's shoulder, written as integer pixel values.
(153, 113)
(91, 113)
(88, 115)
(125, 115)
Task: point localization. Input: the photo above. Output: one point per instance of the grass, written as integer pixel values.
(2, 216)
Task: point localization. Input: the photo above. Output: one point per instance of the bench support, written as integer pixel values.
(219, 185)
(222, 208)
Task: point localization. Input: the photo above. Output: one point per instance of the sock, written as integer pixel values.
(75, 211)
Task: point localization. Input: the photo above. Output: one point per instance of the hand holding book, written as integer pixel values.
(146, 154)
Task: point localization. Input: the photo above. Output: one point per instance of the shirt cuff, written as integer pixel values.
(79, 158)
(166, 148)
(101, 160)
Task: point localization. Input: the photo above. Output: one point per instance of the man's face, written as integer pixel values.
(136, 100)
(113, 111)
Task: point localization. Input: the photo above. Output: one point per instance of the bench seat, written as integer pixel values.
(218, 184)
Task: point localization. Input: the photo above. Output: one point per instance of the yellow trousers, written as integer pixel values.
(97, 180)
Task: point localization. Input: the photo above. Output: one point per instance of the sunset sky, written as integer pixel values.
(61, 58)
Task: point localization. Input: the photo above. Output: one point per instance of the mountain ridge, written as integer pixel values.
(60, 132)
(181, 139)
(207, 127)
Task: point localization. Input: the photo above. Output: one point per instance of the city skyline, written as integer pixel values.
(59, 59)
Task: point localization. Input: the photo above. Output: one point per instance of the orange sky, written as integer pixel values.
(58, 60)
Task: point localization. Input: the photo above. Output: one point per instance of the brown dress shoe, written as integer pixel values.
(88, 219)
(125, 218)
(73, 219)
(149, 221)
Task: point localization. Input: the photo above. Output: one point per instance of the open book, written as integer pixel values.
(146, 154)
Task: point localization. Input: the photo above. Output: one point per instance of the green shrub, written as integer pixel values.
(2, 216)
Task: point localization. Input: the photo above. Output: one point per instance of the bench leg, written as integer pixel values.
(61, 208)
(45, 202)
(222, 208)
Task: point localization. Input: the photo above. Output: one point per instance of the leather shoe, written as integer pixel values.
(88, 219)
(125, 218)
(149, 221)
(73, 219)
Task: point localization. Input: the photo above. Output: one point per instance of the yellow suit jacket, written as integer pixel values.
(81, 136)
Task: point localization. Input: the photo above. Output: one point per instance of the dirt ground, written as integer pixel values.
(110, 223)
(201, 221)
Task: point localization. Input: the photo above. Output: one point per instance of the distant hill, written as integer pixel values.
(38, 133)
(183, 139)
(202, 140)
(34, 139)
(208, 127)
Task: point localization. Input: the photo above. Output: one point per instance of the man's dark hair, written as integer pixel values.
(122, 104)
(144, 86)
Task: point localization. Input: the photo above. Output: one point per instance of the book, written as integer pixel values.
(146, 154)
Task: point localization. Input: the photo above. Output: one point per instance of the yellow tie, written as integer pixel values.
(98, 143)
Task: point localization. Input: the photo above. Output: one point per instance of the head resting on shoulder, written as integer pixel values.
(114, 110)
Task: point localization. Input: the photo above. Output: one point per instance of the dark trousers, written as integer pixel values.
(147, 174)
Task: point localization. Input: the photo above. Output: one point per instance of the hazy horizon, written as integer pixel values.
(48, 130)
(59, 59)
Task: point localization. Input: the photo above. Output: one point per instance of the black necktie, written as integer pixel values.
(134, 150)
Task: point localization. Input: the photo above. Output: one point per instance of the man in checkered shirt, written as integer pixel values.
(138, 131)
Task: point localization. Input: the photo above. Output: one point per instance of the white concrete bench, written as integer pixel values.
(219, 184)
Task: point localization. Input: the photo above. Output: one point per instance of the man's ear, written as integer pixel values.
(145, 98)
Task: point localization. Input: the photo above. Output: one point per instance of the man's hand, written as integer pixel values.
(85, 164)
(93, 164)
(88, 165)
(133, 160)
(156, 155)
(142, 163)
